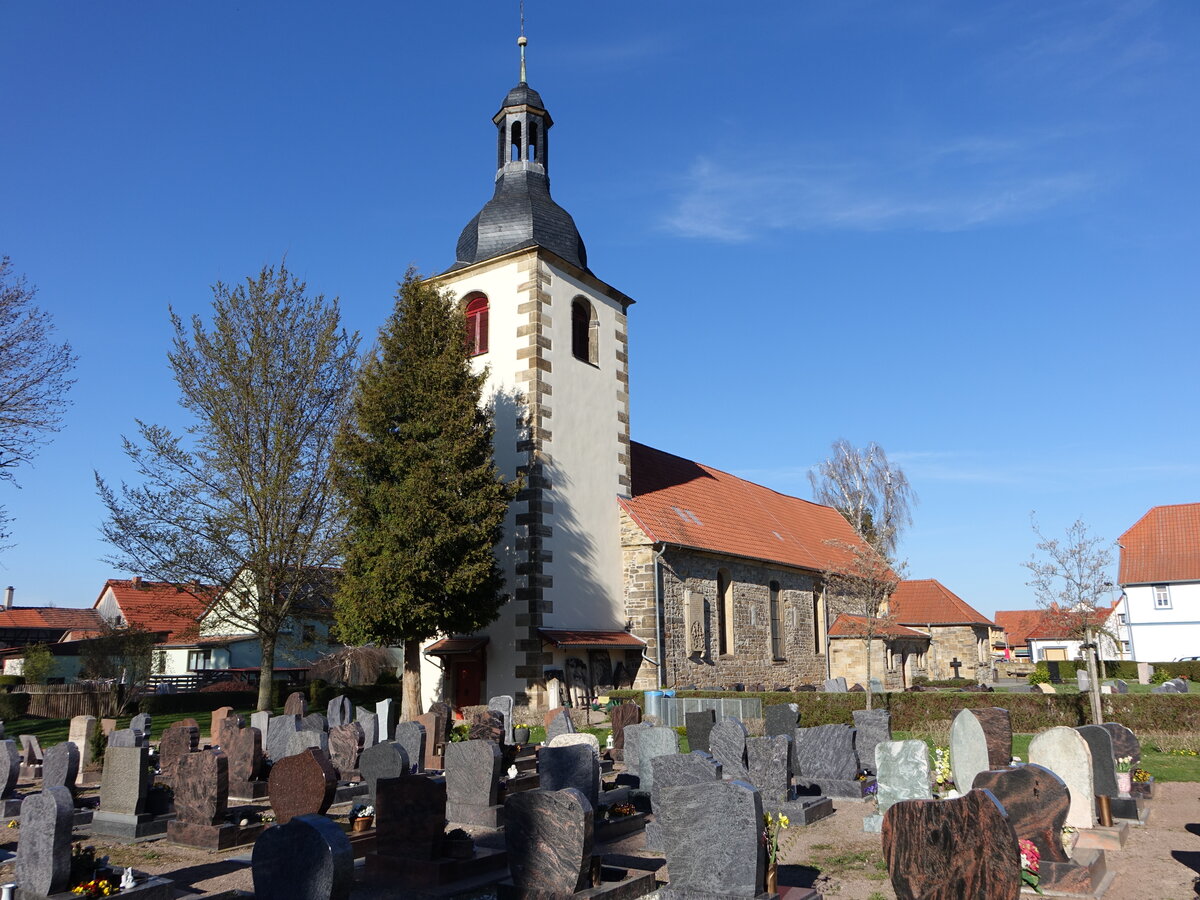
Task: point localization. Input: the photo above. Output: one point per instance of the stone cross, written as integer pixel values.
(307, 858)
(956, 664)
(44, 845)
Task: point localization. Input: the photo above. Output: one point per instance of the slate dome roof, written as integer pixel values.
(523, 94)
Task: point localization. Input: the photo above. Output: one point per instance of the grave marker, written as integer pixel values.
(382, 761)
(83, 731)
(44, 846)
(1064, 752)
(968, 749)
(564, 766)
(872, 727)
(308, 858)
(727, 743)
(473, 783)
(712, 837)
(60, 767)
(303, 784)
(549, 842)
(411, 736)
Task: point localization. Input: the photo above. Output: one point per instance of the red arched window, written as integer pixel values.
(477, 326)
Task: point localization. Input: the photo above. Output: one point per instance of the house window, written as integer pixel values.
(585, 330)
(724, 612)
(199, 660)
(1121, 619)
(477, 325)
(309, 634)
(1162, 597)
(776, 622)
(1126, 647)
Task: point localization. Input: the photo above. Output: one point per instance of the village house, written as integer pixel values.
(1160, 576)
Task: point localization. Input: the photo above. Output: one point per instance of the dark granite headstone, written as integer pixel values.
(1104, 766)
(314, 722)
(712, 836)
(202, 788)
(558, 721)
(10, 767)
(370, 725)
(44, 847)
(410, 816)
(386, 760)
(486, 725)
(411, 736)
(504, 705)
(338, 711)
(570, 766)
(177, 742)
(963, 849)
(60, 767)
(825, 752)
(1125, 742)
(699, 729)
(727, 743)
(1053, 668)
(782, 718)
(435, 741)
(626, 714)
(296, 704)
(279, 734)
(308, 858)
(472, 773)
(769, 763)
(301, 785)
(548, 836)
(345, 745)
(872, 727)
(997, 729)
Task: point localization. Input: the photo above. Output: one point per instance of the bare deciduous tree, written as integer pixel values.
(34, 378)
(1071, 580)
(873, 495)
(242, 503)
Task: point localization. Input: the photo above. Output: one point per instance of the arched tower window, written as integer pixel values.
(585, 332)
(477, 325)
(515, 143)
(724, 612)
(776, 612)
(531, 154)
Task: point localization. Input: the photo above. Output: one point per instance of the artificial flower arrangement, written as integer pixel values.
(1141, 776)
(941, 769)
(362, 811)
(772, 825)
(1030, 860)
(621, 810)
(1124, 763)
(97, 887)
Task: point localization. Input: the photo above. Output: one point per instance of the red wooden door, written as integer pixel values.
(468, 678)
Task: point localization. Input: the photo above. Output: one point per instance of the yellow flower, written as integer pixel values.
(784, 820)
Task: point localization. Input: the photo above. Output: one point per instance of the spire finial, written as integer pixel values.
(522, 41)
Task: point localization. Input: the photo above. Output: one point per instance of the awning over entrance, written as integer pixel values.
(456, 646)
(598, 640)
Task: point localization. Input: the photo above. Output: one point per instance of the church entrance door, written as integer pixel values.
(468, 682)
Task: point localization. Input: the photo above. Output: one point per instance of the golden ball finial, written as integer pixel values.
(522, 41)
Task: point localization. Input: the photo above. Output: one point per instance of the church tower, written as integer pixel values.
(555, 342)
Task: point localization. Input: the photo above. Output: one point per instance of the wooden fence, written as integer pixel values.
(63, 701)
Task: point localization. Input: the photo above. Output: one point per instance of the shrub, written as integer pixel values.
(1160, 676)
(1040, 674)
(227, 687)
(319, 694)
(13, 706)
(200, 701)
(8, 682)
(387, 677)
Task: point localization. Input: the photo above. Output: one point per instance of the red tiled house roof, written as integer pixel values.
(1059, 624)
(159, 606)
(1164, 545)
(678, 501)
(1018, 624)
(928, 602)
(64, 619)
(856, 626)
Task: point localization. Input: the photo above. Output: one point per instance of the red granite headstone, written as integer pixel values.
(303, 784)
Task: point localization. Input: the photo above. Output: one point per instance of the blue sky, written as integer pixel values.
(965, 231)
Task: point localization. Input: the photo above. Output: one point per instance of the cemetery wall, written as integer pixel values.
(1031, 713)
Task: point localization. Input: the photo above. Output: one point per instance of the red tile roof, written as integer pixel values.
(1018, 624)
(598, 639)
(678, 501)
(66, 619)
(159, 606)
(451, 646)
(1056, 624)
(928, 602)
(856, 626)
(1164, 545)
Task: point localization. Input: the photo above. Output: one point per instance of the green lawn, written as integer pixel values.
(54, 731)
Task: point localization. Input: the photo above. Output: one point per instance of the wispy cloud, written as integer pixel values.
(957, 184)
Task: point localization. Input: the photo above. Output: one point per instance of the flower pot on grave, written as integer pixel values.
(362, 823)
(521, 735)
(1124, 782)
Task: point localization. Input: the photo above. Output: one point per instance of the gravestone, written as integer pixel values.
(217, 722)
(504, 705)
(82, 733)
(769, 764)
(296, 704)
(699, 728)
(345, 745)
(60, 767)
(728, 744)
(574, 766)
(124, 737)
(387, 712)
(712, 837)
(314, 722)
(370, 726)
(1144, 670)
(1104, 772)
(411, 736)
(1082, 681)
(262, 721)
(780, 719)
(1125, 742)
(177, 742)
(338, 711)
(31, 757)
(243, 748)
(968, 749)
(558, 721)
(410, 817)
(824, 760)
(997, 730)
(435, 741)
(10, 767)
(872, 727)
(1064, 752)
(633, 736)
(44, 847)
(386, 760)
(123, 795)
(303, 740)
(1166, 687)
(302, 784)
(1046, 688)
(902, 772)
(279, 734)
(674, 770)
(141, 725)
(1037, 802)
(201, 802)
(580, 737)
(963, 848)
(622, 716)
(549, 840)
(654, 741)
(876, 685)
(486, 725)
(835, 685)
(473, 783)
(1118, 686)
(308, 858)
(1053, 668)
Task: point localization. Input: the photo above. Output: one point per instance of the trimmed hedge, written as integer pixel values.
(320, 693)
(1030, 713)
(200, 701)
(13, 706)
(8, 682)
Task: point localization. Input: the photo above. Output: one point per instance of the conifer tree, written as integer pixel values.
(425, 501)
